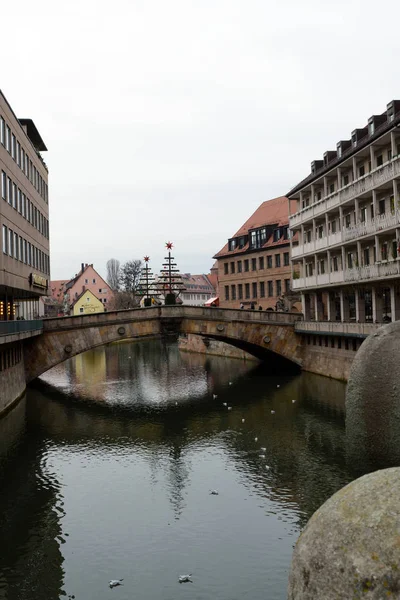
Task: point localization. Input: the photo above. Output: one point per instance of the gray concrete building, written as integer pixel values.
(24, 216)
(347, 221)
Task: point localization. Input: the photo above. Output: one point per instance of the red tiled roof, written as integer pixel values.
(271, 212)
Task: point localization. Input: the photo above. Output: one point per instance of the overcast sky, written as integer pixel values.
(174, 119)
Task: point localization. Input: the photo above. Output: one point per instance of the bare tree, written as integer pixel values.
(113, 274)
(130, 275)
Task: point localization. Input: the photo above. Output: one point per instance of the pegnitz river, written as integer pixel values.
(107, 466)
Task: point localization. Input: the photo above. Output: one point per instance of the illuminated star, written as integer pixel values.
(169, 245)
(146, 258)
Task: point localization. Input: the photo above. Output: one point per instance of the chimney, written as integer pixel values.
(86, 265)
(82, 267)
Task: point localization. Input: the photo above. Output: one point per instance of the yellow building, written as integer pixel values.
(87, 304)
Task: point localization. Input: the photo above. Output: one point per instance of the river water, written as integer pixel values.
(106, 470)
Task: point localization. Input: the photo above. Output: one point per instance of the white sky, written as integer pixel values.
(174, 119)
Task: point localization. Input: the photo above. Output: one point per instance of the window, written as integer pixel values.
(278, 287)
(246, 265)
(242, 242)
(5, 240)
(333, 227)
(277, 260)
(350, 260)
(16, 245)
(308, 236)
(14, 196)
(331, 188)
(10, 242)
(389, 154)
(226, 267)
(21, 249)
(3, 185)
(363, 214)
(2, 131)
(366, 256)
(18, 154)
(247, 290)
(382, 207)
(320, 232)
(379, 160)
(319, 195)
(254, 264)
(227, 292)
(384, 251)
(81, 310)
(86, 280)
(269, 261)
(270, 289)
(239, 266)
(8, 138)
(13, 146)
(232, 268)
(287, 286)
(394, 249)
(361, 171)
(345, 180)
(233, 292)
(262, 289)
(232, 244)
(254, 289)
(286, 233)
(392, 207)
(10, 191)
(261, 262)
(347, 220)
(240, 291)
(321, 267)
(88, 299)
(286, 259)
(277, 235)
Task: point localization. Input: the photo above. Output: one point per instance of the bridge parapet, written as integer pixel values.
(169, 312)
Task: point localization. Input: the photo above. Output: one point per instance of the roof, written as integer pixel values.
(75, 300)
(273, 212)
(213, 279)
(33, 134)
(193, 282)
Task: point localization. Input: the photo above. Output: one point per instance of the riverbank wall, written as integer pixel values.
(331, 358)
(12, 375)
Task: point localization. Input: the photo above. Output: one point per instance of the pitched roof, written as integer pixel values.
(75, 300)
(271, 212)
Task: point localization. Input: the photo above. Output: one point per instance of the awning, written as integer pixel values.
(212, 301)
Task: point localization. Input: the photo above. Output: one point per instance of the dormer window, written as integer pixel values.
(277, 235)
(242, 242)
(371, 128)
(232, 244)
(339, 151)
(354, 140)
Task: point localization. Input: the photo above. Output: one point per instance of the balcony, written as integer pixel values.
(367, 183)
(319, 244)
(379, 223)
(13, 331)
(376, 271)
(361, 330)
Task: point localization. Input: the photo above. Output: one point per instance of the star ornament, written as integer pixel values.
(146, 258)
(169, 245)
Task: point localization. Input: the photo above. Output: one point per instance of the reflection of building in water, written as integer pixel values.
(89, 370)
(29, 518)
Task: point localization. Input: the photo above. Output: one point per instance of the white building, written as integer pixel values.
(348, 225)
(198, 289)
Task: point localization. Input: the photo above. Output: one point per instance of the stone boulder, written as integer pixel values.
(350, 548)
(373, 401)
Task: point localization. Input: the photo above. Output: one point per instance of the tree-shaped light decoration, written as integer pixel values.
(147, 288)
(170, 280)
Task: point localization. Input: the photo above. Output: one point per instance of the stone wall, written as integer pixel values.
(330, 362)
(195, 343)
(12, 385)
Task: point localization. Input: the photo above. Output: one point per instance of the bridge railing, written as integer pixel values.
(170, 312)
(12, 327)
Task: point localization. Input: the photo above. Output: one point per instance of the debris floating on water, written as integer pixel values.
(115, 582)
(185, 579)
(262, 455)
(263, 449)
(214, 493)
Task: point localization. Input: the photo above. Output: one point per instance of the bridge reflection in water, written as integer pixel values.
(109, 458)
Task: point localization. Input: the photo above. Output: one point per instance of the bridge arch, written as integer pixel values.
(269, 336)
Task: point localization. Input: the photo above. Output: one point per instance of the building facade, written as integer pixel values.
(254, 265)
(198, 289)
(346, 227)
(66, 292)
(24, 216)
(86, 304)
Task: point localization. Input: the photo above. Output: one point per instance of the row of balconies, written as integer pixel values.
(362, 185)
(356, 274)
(374, 226)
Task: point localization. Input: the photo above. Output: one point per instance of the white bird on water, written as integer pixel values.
(230, 383)
(229, 407)
(267, 467)
(225, 404)
(293, 401)
(278, 386)
(185, 578)
(243, 420)
(272, 412)
(256, 439)
(262, 455)
(114, 582)
(263, 449)
(214, 493)
(215, 396)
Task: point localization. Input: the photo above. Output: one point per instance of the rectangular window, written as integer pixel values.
(2, 131)
(277, 260)
(345, 180)
(361, 171)
(379, 160)
(333, 227)
(10, 191)
(246, 265)
(270, 289)
(93, 281)
(19, 201)
(13, 146)
(226, 267)
(21, 249)
(331, 188)
(25, 252)
(392, 207)
(366, 256)
(269, 261)
(286, 259)
(14, 196)
(232, 268)
(233, 292)
(239, 266)
(287, 286)
(18, 154)
(247, 290)
(254, 289)
(5, 240)
(261, 262)
(389, 154)
(240, 291)
(277, 235)
(347, 220)
(8, 138)
(3, 185)
(382, 207)
(363, 214)
(278, 287)
(10, 242)
(16, 245)
(254, 264)
(227, 292)
(262, 289)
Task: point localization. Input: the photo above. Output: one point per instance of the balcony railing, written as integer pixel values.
(320, 243)
(376, 224)
(13, 327)
(375, 271)
(367, 183)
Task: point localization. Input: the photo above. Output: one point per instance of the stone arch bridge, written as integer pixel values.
(267, 335)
